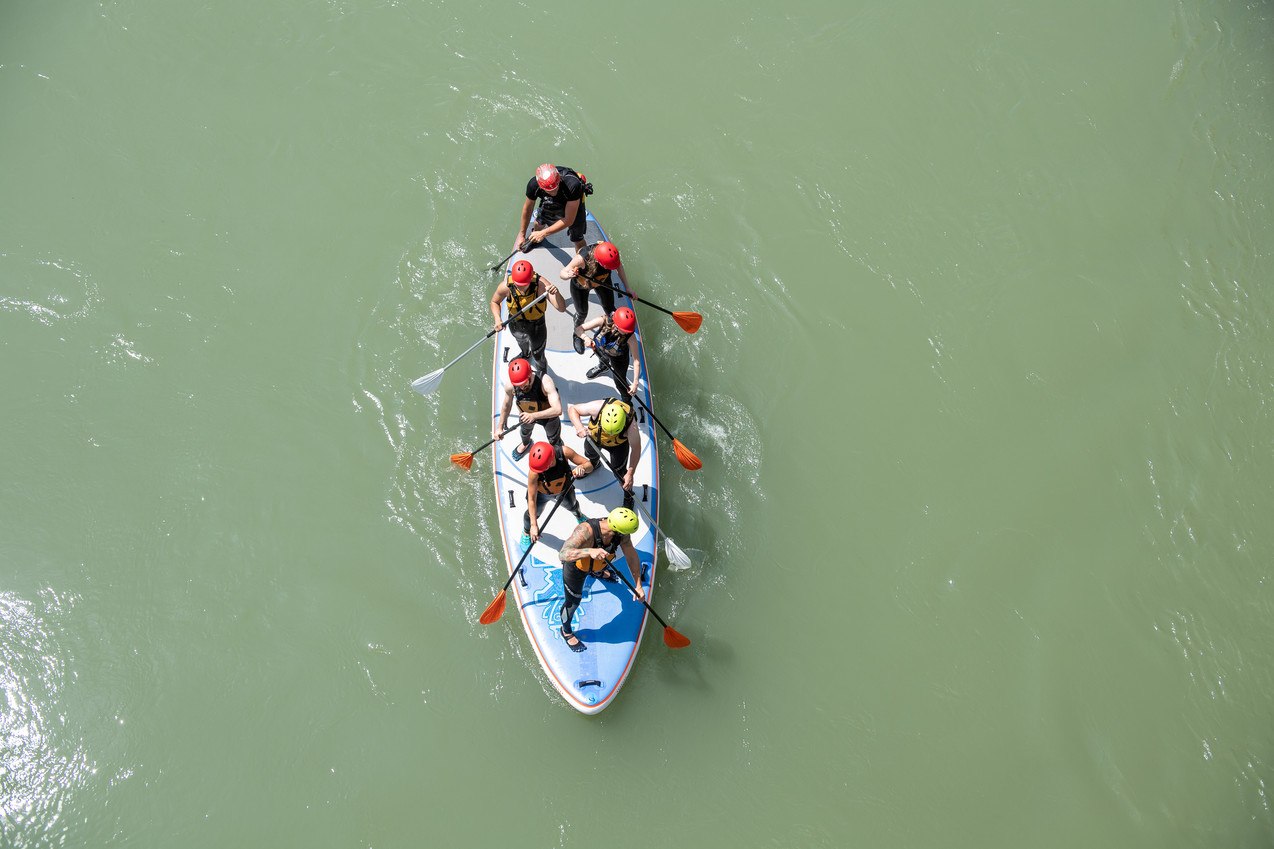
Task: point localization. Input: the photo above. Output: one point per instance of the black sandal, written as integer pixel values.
(569, 635)
(520, 451)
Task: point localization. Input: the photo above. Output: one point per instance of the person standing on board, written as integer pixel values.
(613, 428)
(551, 470)
(590, 271)
(521, 288)
(560, 192)
(589, 551)
(615, 345)
(537, 400)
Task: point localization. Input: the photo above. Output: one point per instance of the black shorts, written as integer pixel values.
(576, 230)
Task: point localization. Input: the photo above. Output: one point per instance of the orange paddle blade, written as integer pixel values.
(464, 461)
(686, 457)
(494, 610)
(689, 321)
(675, 639)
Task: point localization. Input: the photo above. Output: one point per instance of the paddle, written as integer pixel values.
(465, 460)
(496, 608)
(685, 456)
(673, 638)
(678, 558)
(427, 384)
(520, 249)
(689, 321)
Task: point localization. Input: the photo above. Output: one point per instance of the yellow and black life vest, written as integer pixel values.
(533, 398)
(517, 301)
(603, 438)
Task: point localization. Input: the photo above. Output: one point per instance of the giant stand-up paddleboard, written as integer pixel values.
(609, 621)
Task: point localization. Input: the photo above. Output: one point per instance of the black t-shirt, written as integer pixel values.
(553, 207)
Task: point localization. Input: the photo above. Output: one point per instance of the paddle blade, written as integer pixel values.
(428, 383)
(689, 321)
(686, 457)
(677, 558)
(464, 461)
(494, 610)
(674, 639)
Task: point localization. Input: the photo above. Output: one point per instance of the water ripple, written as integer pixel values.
(38, 769)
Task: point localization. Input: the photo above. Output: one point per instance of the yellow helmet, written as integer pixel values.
(622, 520)
(612, 419)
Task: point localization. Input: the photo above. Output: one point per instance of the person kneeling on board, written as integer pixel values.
(521, 288)
(612, 427)
(537, 400)
(590, 271)
(615, 345)
(589, 550)
(550, 471)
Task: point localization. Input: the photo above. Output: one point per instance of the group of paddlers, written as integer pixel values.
(608, 426)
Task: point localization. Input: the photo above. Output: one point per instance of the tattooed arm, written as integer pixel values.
(577, 545)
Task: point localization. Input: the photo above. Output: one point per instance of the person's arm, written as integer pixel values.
(634, 566)
(555, 297)
(502, 420)
(582, 465)
(574, 411)
(532, 497)
(527, 207)
(635, 355)
(572, 268)
(501, 292)
(634, 454)
(554, 409)
(568, 217)
(591, 324)
(623, 278)
(574, 547)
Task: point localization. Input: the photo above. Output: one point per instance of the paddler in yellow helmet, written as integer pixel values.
(613, 428)
(589, 550)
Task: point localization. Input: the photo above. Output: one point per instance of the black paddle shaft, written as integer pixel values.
(570, 483)
(502, 435)
(633, 590)
(519, 249)
(649, 412)
(635, 298)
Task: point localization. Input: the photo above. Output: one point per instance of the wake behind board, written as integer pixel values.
(609, 621)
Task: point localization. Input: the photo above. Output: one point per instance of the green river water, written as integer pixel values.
(984, 393)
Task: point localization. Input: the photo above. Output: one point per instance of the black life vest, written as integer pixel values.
(532, 398)
(558, 474)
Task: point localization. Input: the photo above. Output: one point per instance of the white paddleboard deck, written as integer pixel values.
(609, 621)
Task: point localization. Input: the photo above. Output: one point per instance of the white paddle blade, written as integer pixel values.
(427, 384)
(677, 558)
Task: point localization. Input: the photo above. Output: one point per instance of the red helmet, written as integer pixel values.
(547, 177)
(607, 255)
(624, 319)
(522, 272)
(520, 372)
(541, 457)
